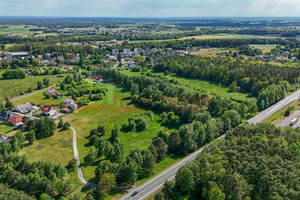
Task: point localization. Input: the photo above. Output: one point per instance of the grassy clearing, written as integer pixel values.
(222, 36)
(18, 29)
(57, 148)
(278, 116)
(38, 99)
(114, 109)
(14, 87)
(4, 128)
(204, 87)
(212, 51)
(264, 47)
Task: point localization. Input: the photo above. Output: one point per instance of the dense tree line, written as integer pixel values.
(14, 74)
(77, 87)
(250, 77)
(253, 162)
(25, 180)
(138, 122)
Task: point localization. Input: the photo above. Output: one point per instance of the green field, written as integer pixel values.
(222, 36)
(264, 47)
(57, 148)
(15, 87)
(204, 87)
(4, 128)
(114, 109)
(38, 99)
(18, 29)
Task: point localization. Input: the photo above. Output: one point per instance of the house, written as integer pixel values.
(126, 52)
(49, 111)
(53, 93)
(70, 103)
(6, 115)
(65, 110)
(98, 80)
(16, 121)
(11, 55)
(115, 52)
(137, 51)
(24, 108)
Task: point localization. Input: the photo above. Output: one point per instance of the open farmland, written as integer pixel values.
(14, 87)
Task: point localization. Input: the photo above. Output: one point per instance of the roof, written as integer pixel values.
(19, 53)
(67, 101)
(25, 106)
(51, 90)
(15, 119)
(66, 109)
(47, 108)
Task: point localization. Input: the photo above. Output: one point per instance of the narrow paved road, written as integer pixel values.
(157, 182)
(271, 110)
(80, 175)
(26, 95)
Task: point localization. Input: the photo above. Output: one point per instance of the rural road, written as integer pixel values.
(75, 150)
(26, 95)
(271, 110)
(157, 182)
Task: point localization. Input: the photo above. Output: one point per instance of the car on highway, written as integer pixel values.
(134, 193)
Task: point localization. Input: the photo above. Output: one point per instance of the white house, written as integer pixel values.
(137, 51)
(23, 108)
(115, 52)
(126, 52)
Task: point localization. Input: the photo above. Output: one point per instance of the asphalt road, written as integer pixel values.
(157, 182)
(287, 121)
(75, 150)
(271, 110)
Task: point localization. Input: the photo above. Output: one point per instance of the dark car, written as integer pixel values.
(134, 193)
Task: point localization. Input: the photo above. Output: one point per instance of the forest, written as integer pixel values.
(253, 162)
(269, 83)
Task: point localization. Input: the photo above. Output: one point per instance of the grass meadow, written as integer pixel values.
(14, 87)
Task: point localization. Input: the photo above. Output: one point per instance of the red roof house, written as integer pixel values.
(48, 110)
(16, 121)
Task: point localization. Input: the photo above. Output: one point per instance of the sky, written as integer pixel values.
(151, 8)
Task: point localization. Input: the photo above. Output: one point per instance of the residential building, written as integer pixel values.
(11, 55)
(115, 52)
(24, 108)
(65, 110)
(70, 103)
(16, 121)
(137, 51)
(53, 93)
(49, 111)
(126, 52)
(6, 115)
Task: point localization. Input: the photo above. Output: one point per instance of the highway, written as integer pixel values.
(157, 182)
(272, 109)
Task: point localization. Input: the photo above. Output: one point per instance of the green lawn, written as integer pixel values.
(19, 29)
(15, 87)
(4, 128)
